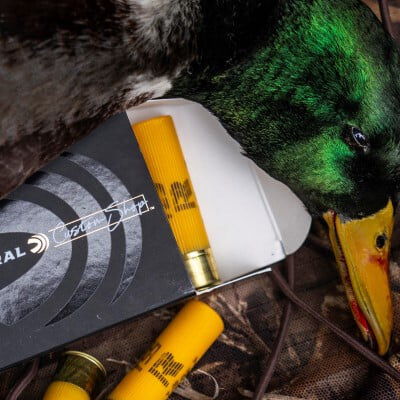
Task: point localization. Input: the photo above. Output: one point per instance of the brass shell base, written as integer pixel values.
(201, 268)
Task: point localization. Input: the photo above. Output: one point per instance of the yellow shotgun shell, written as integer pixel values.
(165, 161)
(66, 391)
(179, 347)
(77, 377)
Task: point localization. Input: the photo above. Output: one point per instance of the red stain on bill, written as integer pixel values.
(381, 261)
(359, 315)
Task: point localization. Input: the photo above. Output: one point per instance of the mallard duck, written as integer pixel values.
(309, 88)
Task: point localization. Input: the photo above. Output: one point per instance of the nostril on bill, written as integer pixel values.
(381, 241)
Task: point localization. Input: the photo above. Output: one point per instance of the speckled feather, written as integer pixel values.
(66, 66)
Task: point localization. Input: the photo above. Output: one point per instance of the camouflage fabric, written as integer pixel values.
(315, 364)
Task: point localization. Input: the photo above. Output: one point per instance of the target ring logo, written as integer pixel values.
(40, 243)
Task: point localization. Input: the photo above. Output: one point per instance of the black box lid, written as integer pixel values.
(84, 244)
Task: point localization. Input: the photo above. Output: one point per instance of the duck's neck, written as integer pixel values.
(231, 30)
(241, 53)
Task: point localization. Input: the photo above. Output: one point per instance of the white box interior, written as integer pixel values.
(251, 219)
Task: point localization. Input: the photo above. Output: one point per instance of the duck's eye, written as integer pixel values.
(357, 139)
(381, 241)
(360, 138)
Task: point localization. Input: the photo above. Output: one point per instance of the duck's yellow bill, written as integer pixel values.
(362, 251)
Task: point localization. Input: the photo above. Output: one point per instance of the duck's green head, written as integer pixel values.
(318, 107)
(330, 89)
